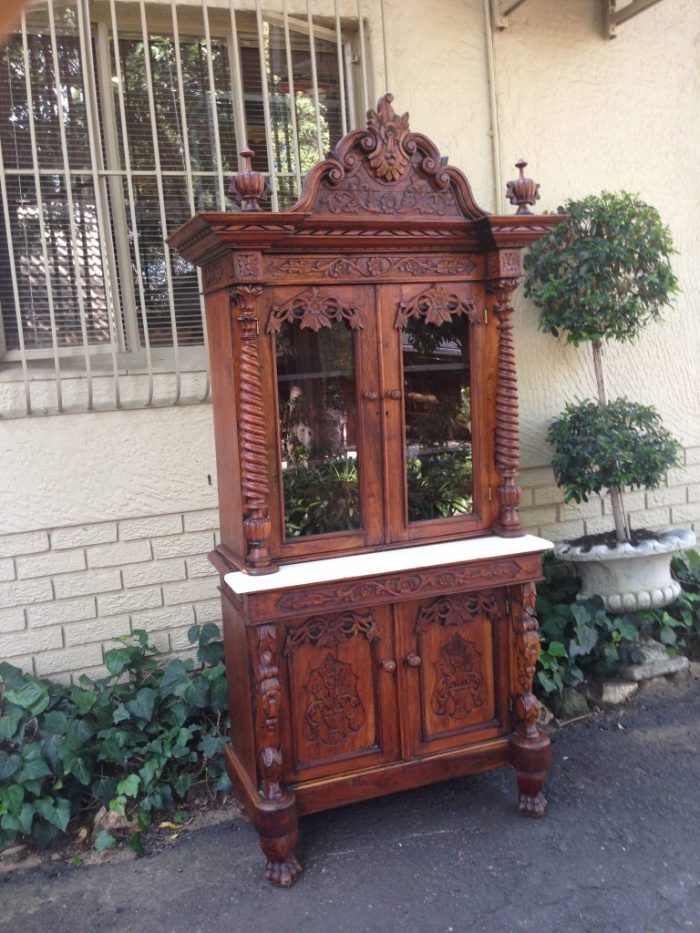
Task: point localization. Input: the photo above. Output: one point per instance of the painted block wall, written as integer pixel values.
(105, 518)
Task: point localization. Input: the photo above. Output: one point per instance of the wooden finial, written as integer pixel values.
(248, 186)
(522, 191)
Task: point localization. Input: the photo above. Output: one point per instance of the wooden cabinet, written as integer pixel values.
(378, 589)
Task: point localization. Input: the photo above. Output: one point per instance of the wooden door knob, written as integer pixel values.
(412, 659)
(370, 395)
(394, 393)
(388, 664)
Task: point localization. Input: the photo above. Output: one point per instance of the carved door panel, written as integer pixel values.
(340, 676)
(455, 669)
(322, 372)
(435, 342)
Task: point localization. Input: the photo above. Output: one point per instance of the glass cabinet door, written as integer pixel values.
(431, 415)
(320, 341)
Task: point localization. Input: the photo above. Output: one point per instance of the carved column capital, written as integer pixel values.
(502, 289)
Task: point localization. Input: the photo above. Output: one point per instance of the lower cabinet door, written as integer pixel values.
(455, 669)
(340, 672)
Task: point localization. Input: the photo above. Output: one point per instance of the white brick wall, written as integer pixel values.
(67, 593)
(675, 502)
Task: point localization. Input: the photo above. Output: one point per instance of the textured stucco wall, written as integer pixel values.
(93, 467)
(588, 114)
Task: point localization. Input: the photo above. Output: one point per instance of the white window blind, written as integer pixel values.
(118, 120)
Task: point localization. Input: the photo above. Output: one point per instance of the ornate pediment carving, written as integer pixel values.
(386, 169)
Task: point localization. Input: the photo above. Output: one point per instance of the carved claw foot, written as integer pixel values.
(283, 874)
(530, 805)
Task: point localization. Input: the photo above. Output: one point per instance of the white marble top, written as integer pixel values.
(381, 562)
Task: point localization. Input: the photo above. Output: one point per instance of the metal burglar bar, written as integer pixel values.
(118, 120)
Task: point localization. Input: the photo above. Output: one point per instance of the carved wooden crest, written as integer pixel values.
(436, 305)
(314, 310)
(386, 169)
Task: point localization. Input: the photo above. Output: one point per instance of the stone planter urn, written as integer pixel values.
(629, 577)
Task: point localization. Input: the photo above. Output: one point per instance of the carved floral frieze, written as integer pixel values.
(375, 267)
(406, 585)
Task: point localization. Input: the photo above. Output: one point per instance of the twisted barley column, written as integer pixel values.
(507, 424)
(251, 432)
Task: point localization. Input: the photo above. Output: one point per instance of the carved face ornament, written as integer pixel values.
(389, 158)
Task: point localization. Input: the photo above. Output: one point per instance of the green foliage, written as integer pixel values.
(604, 272)
(135, 741)
(618, 444)
(322, 498)
(440, 485)
(580, 639)
(686, 569)
(326, 497)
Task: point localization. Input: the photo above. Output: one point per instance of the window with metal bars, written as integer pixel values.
(118, 120)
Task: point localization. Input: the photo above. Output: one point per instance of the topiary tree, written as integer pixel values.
(603, 274)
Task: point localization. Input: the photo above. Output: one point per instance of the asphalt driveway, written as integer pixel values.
(619, 850)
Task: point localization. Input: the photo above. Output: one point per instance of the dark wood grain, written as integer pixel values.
(359, 687)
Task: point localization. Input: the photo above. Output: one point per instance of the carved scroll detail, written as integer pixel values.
(254, 477)
(527, 651)
(267, 727)
(436, 305)
(331, 631)
(507, 425)
(334, 707)
(404, 586)
(375, 266)
(459, 686)
(456, 610)
(314, 310)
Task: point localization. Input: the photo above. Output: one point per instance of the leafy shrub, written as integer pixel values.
(135, 741)
(604, 272)
(580, 639)
(598, 446)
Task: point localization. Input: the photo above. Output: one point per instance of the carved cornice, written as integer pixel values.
(458, 610)
(314, 310)
(387, 169)
(436, 305)
(331, 631)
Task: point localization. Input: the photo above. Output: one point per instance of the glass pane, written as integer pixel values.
(318, 430)
(438, 419)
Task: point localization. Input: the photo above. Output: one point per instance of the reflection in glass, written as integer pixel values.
(438, 419)
(318, 430)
